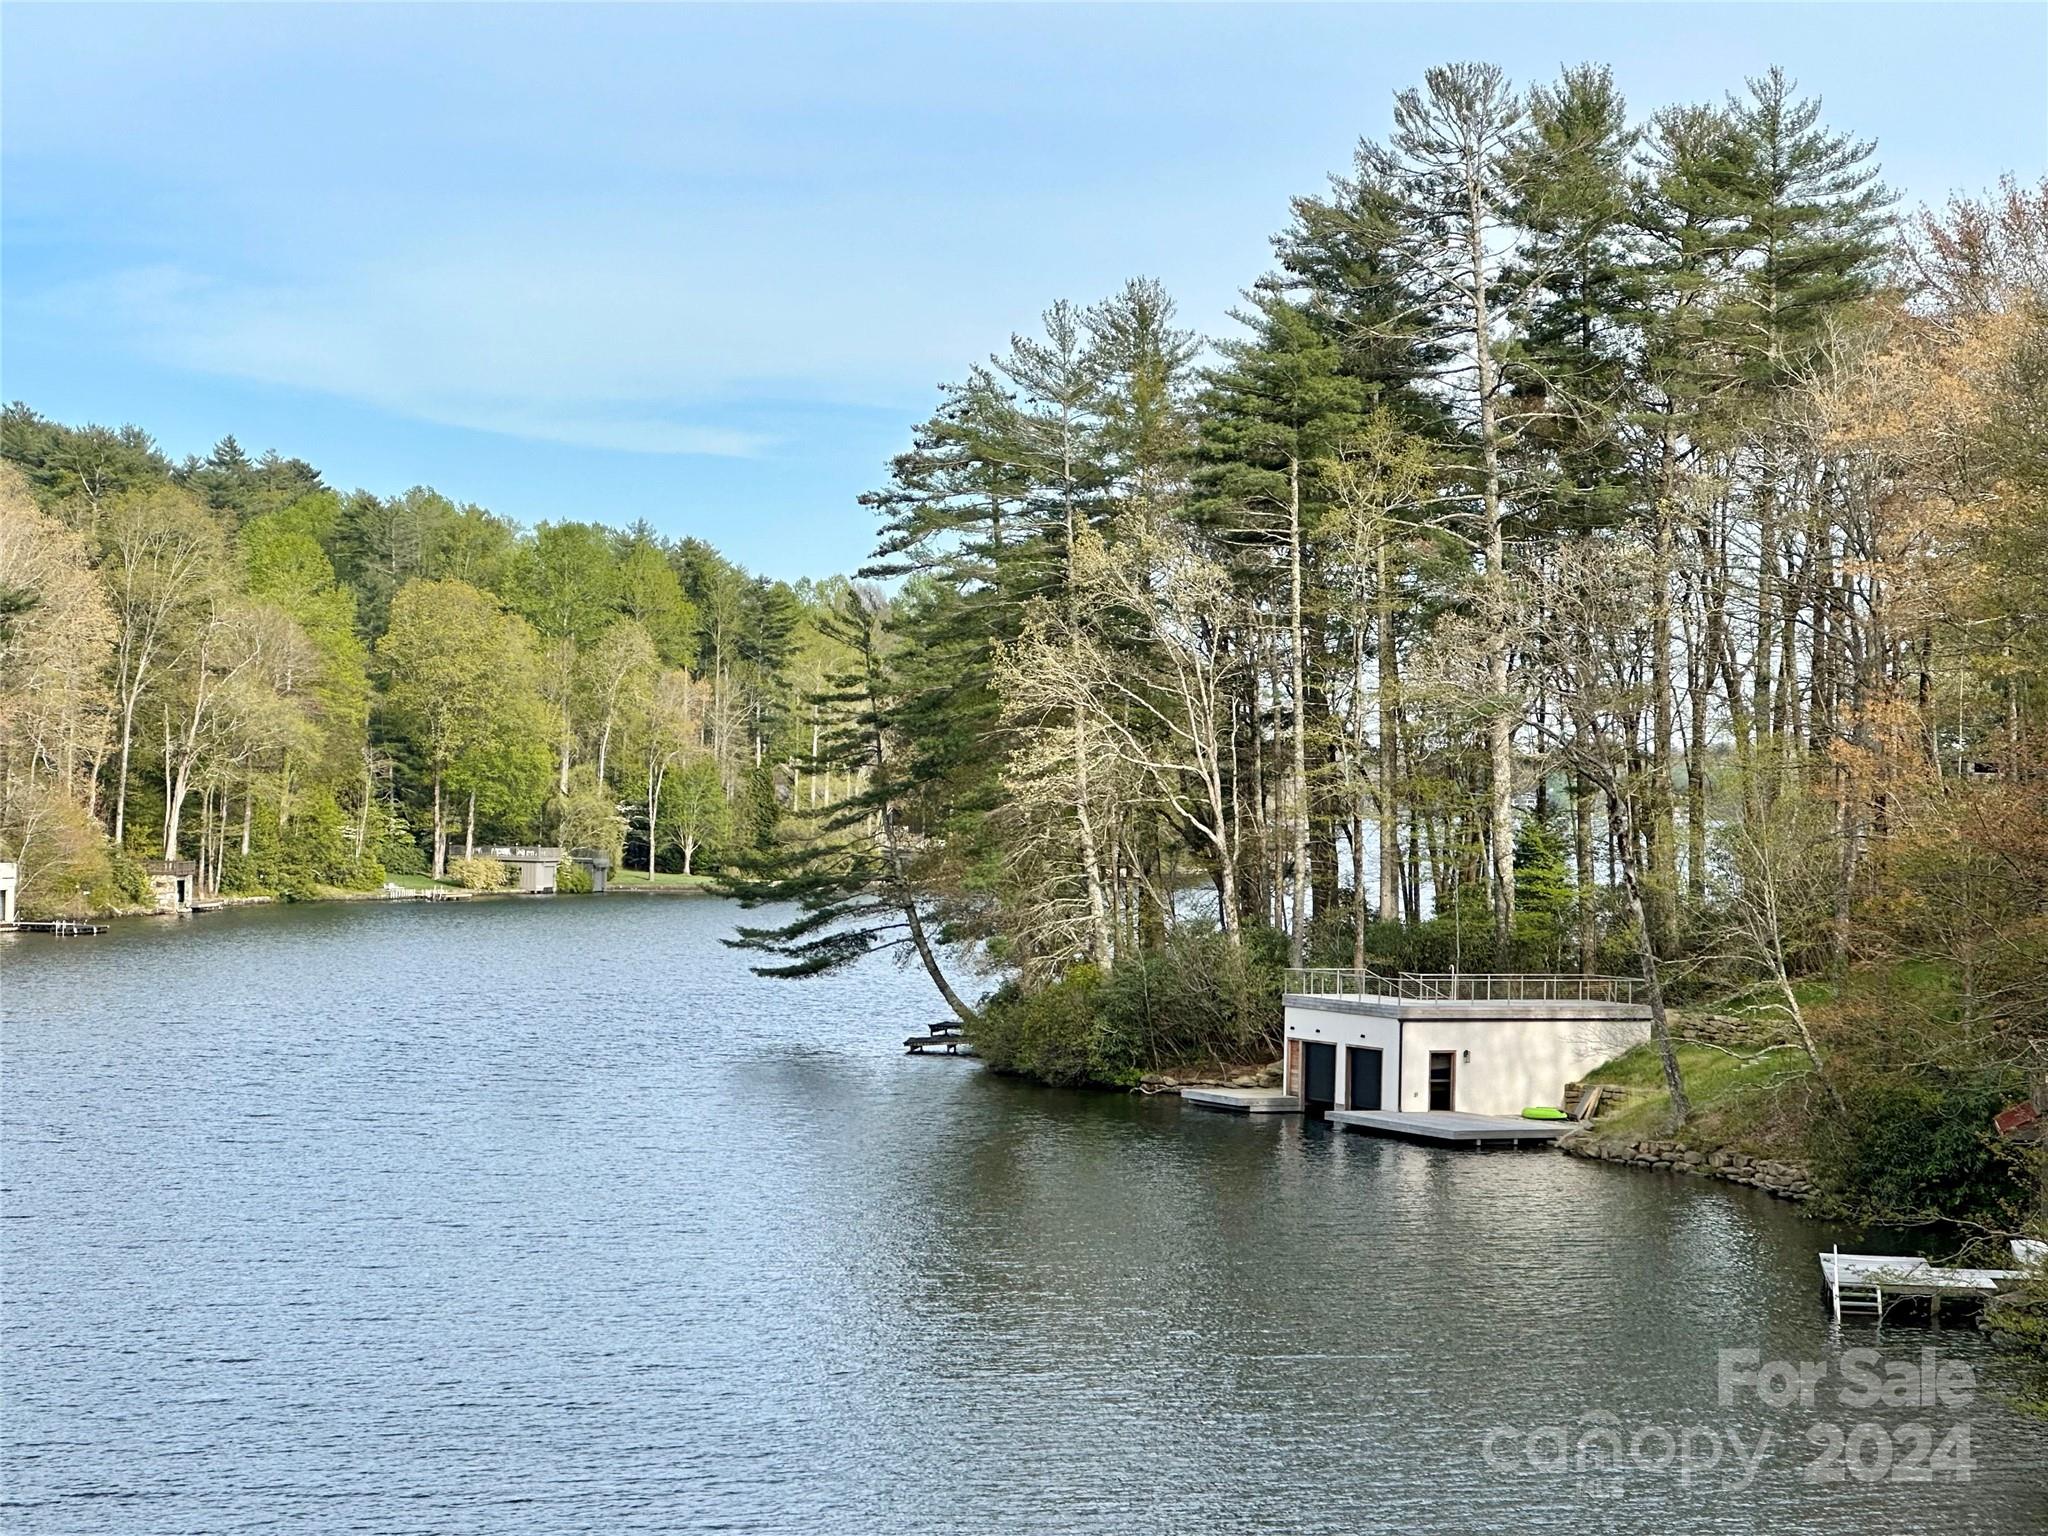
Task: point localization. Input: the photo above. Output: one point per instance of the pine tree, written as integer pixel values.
(1274, 414)
(860, 876)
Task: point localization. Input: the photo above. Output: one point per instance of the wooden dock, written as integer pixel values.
(1867, 1285)
(1447, 1128)
(62, 927)
(1244, 1101)
(946, 1042)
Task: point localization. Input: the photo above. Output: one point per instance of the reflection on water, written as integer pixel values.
(546, 1216)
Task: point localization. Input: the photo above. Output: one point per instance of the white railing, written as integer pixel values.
(1461, 986)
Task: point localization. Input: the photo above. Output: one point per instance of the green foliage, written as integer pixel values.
(1197, 1000)
(128, 881)
(394, 847)
(759, 810)
(1544, 897)
(1919, 1144)
(565, 581)
(1461, 942)
(695, 812)
(1049, 1034)
(479, 873)
(65, 868)
(2018, 1323)
(588, 817)
(572, 879)
(314, 849)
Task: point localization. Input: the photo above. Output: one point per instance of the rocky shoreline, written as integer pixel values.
(1787, 1181)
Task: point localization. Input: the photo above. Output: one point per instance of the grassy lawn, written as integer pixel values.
(1750, 1102)
(663, 881)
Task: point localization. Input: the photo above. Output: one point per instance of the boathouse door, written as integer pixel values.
(1319, 1073)
(1443, 1079)
(1364, 1064)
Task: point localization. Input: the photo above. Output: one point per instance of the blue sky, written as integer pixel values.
(705, 265)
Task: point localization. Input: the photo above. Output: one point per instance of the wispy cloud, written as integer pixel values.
(545, 357)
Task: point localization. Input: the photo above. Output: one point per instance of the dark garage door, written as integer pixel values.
(1319, 1072)
(1364, 1065)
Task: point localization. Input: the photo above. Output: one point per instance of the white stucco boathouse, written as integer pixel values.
(1406, 1048)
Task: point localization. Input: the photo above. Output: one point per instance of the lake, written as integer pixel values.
(547, 1216)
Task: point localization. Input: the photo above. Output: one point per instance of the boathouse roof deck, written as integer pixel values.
(1464, 986)
(522, 854)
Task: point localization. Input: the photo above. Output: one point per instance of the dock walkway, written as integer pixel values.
(1871, 1284)
(1245, 1101)
(1452, 1129)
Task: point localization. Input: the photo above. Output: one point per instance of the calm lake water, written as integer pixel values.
(547, 1216)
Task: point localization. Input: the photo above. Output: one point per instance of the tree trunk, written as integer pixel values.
(1582, 847)
(1390, 732)
(469, 829)
(440, 831)
(654, 783)
(1100, 942)
(121, 781)
(1297, 926)
(1653, 981)
(1500, 731)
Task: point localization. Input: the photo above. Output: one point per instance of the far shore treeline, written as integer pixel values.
(1604, 542)
(229, 661)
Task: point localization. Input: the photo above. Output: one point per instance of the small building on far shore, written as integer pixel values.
(173, 881)
(599, 865)
(10, 885)
(533, 869)
(1470, 1044)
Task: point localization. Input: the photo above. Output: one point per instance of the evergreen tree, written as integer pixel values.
(860, 881)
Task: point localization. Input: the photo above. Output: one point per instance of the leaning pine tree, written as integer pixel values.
(855, 875)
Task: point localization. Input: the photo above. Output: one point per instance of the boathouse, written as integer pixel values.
(533, 870)
(174, 882)
(1456, 1043)
(597, 864)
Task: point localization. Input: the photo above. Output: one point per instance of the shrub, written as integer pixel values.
(2018, 1324)
(478, 874)
(1196, 1000)
(588, 817)
(129, 880)
(65, 864)
(396, 849)
(572, 879)
(315, 848)
(1044, 1034)
(1921, 1144)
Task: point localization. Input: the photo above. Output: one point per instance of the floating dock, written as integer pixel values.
(1449, 1128)
(1244, 1101)
(949, 1042)
(64, 928)
(1869, 1285)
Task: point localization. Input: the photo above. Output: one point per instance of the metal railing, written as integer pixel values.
(1460, 986)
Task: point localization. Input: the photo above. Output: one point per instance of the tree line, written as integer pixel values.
(1606, 543)
(226, 660)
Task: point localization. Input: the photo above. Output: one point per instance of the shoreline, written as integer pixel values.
(338, 895)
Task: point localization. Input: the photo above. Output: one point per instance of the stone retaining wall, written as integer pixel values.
(1788, 1181)
(1727, 1031)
